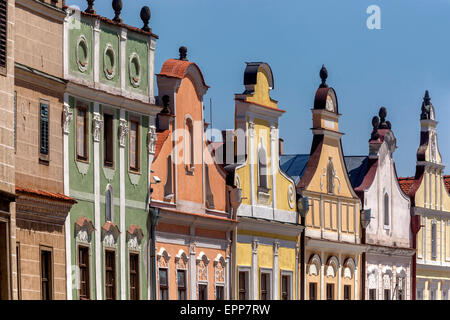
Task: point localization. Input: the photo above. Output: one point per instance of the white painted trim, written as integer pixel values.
(242, 238)
(248, 271)
(123, 275)
(291, 284)
(97, 222)
(322, 277)
(254, 271)
(271, 288)
(67, 227)
(96, 65)
(276, 272)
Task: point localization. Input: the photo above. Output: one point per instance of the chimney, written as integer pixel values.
(165, 116)
(280, 146)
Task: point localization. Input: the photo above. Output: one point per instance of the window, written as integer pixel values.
(372, 294)
(432, 294)
(108, 140)
(46, 275)
(3, 34)
(44, 131)
(219, 293)
(243, 287)
(386, 210)
(312, 291)
(19, 287)
(330, 291)
(387, 294)
(285, 287)
(419, 294)
(134, 146)
(202, 292)
(400, 288)
(108, 204)
(163, 285)
(168, 187)
(110, 275)
(347, 292)
(15, 120)
(444, 293)
(189, 145)
(262, 169)
(82, 133)
(134, 276)
(433, 240)
(265, 286)
(181, 282)
(83, 264)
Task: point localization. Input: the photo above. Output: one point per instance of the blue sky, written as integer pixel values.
(390, 67)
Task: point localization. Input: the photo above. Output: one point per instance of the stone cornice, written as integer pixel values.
(41, 210)
(390, 251)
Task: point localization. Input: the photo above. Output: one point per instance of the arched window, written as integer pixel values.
(109, 204)
(262, 169)
(189, 144)
(386, 210)
(168, 187)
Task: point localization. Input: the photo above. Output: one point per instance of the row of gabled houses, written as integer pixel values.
(111, 191)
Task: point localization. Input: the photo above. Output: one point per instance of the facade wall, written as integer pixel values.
(31, 238)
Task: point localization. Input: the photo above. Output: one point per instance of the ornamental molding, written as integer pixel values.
(388, 251)
(83, 45)
(135, 79)
(67, 118)
(97, 126)
(291, 196)
(151, 138)
(123, 132)
(35, 209)
(255, 246)
(109, 53)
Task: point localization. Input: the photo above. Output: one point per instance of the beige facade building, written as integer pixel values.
(39, 100)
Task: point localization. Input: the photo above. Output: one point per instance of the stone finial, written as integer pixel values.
(382, 114)
(117, 6)
(375, 123)
(323, 75)
(90, 9)
(183, 53)
(145, 17)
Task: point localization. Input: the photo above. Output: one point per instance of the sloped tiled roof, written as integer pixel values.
(356, 168)
(177, 69)
(406, 184)
(46, 194)
(294, 165)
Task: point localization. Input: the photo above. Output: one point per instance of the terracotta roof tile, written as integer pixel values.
(406, 184)
(447, 183)
(177, 69)
(46, 194)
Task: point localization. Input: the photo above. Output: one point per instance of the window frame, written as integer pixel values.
(44, 158)
(166, 286)
(327, 286)
(109, 190)
(85, 107)
(386, 212)
(114, 273)
(374, 291)
(107, 112)
(312, 285)
(289, 275)
(269, 289)
(434, 240)
(4, 69)
(246, 272)
(204, 285)
(347, 290)
(137, 169)
(180, 288)
(137, 288)
(50, 278)
(222, 287)
(88, 267)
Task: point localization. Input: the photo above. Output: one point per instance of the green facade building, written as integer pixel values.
(109, 141)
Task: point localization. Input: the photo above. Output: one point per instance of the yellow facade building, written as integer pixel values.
(331, 248)
(431, 202)
(267, 237)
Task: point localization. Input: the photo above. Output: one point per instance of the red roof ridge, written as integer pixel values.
(176, 68)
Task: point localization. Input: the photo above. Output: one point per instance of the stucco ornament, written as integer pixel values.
(123, 132)
(82, 54)
(330, 173)
(291, 196)
(135, 70)
(152, 137)
(109, 241)
(433, 147)
(109, 62)
(83, 236)
(133, 243)
(219, 271)
(67, 118)
(97, 125)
